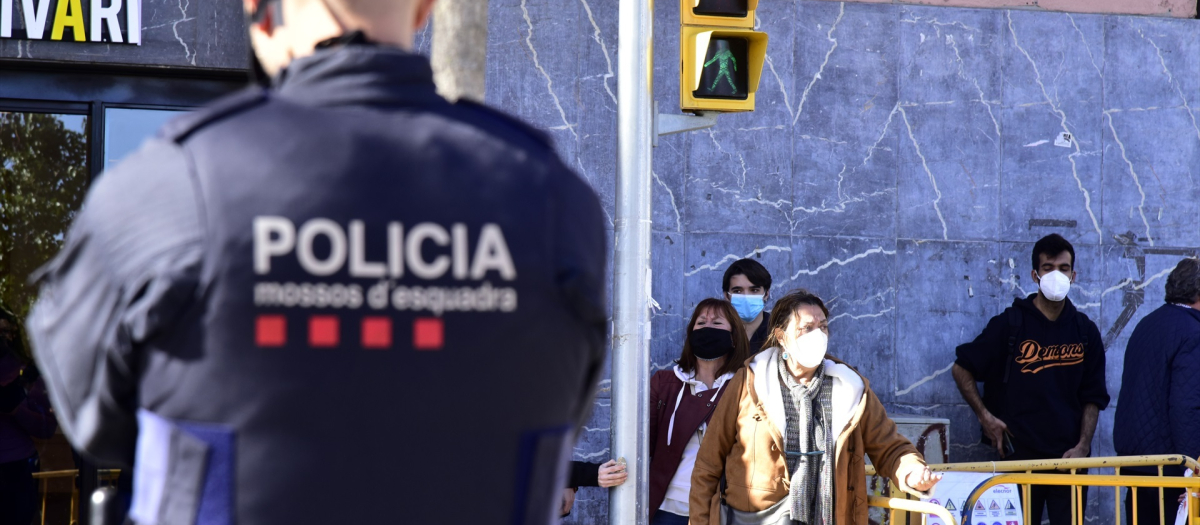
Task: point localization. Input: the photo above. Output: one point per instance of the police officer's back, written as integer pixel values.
(340, 300)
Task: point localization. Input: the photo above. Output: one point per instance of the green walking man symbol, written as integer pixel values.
(724, 58)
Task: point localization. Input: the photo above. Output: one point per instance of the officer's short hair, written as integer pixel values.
(755, 272)
(1183, 285)
(1052, 245)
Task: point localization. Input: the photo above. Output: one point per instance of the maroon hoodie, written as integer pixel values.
(692, 412)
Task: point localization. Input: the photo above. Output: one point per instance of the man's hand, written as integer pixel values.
(568, 501)
(921, 479)
(1079, 451)
(994, 429)
(612, 474)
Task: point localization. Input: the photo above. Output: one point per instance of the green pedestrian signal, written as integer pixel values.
(721, 56)
(721, 76)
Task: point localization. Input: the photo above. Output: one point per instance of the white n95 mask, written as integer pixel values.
(1055, 286)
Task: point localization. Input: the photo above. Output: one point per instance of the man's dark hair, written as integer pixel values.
(1052, 246)
(1183, 285)
(756, 273)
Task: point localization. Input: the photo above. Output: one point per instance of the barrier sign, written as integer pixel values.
(999, 505)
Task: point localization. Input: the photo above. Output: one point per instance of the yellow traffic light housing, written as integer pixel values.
(721, 67)
(718, 13)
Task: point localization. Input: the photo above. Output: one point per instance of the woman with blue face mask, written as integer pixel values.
(747, 286)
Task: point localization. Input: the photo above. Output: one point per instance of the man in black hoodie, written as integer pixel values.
(1042, 366)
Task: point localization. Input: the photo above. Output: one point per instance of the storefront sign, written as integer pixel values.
(69, 14)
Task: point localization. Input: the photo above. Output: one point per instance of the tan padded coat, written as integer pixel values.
(744, 441)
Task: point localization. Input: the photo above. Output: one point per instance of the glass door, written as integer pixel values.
(44, 174)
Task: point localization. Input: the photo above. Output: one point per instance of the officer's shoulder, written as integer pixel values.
(180, 128)
(503, 124)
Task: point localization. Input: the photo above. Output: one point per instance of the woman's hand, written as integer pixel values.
(922, 479)
(612, 474)
(568, 501)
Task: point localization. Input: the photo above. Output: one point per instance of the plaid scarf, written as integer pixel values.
(808, 442)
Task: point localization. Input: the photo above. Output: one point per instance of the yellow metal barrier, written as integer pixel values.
(1022, 473)
(109, 475)
(908, 505)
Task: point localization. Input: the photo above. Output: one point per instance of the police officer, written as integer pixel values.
(340, 299)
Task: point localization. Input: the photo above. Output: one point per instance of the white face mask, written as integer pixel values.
(1055, 286)
(808, 349)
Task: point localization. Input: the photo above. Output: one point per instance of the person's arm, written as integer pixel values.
(128, 267)
(714, 449)
(584, 474)
(973, 359)
(1183, 404)
(892, 453)
(993, 427)
(1087, 429)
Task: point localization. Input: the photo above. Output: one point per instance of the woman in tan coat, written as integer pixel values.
(789, 437)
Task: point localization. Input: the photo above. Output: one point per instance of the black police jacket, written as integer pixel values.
(341, 300)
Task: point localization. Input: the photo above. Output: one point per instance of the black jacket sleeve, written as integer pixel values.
(584, 474)
(1094, 389)
(581, 261)
(986, 354)
(129, 263)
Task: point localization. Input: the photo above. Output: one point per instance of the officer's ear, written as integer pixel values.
(424, 9)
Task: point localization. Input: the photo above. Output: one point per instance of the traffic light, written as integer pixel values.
(722, 57)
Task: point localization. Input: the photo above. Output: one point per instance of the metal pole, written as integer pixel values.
(631, 274)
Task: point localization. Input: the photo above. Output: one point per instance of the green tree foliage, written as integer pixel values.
(43, 180)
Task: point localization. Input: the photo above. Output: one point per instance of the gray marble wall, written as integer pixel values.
(901, 163)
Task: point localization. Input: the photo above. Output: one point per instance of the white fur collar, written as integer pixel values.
(848, 389)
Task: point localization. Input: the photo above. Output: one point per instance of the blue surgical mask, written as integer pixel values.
(748, 306)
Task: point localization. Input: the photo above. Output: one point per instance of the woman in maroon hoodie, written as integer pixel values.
(24, 412)
(683, 397)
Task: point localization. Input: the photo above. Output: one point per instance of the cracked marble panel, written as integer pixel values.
(856, 279)
(948, 291)
(1053, 66)
(668, 314)
(595, 93)
(185, 33)
(949, 123)
(1151, 173)
(532, 68)
(739, 181)
(1151, 63)
(671, 155)
(845, 136)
